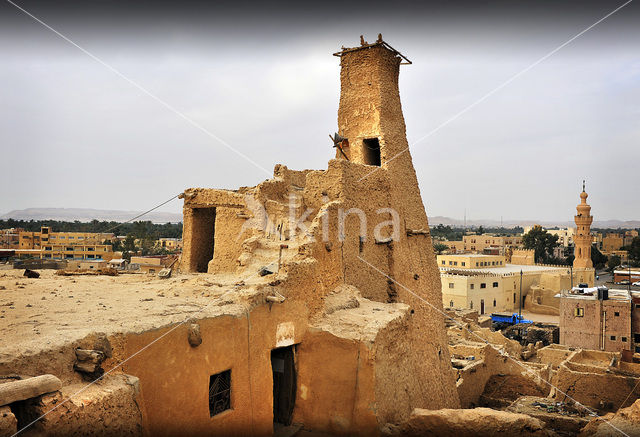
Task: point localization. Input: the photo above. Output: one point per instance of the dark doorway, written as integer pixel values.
(284, 384)
(371, 149)
(482, 306)
(202, 238)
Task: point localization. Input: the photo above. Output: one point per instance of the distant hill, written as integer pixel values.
(613, 224)
(86, 215)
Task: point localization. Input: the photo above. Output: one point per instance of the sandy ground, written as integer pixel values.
(45, 313)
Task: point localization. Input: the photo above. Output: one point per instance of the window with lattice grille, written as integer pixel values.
(219, 392)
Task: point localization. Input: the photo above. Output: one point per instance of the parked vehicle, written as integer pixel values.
(503, 320)
(623, 282)
(637, 284)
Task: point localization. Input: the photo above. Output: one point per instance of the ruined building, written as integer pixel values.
(317, 235)
(312, 298)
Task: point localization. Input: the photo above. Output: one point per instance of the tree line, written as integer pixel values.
(138, 229)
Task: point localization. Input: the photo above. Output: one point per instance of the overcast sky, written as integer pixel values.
(75, 134)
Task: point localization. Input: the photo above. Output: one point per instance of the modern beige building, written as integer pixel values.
(486, 242)
(65, 245)
(478, 243)
(76, 251)
(10, 238)
(470, 261)
(87, 264)
(612, 242)
(493, 285)
(34, 240)
(169, 243)
(150, 264)
(565, 236)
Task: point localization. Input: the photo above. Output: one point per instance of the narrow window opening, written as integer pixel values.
(219, 392)
(371, 149)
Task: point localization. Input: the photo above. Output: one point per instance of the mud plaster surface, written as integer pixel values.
(53, 311)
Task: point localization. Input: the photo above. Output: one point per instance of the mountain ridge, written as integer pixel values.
(612, 224)
(89, 214)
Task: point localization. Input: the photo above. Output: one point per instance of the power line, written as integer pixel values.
(142, 214)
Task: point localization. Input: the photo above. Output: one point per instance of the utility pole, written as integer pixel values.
(571, 269)
(520, 306)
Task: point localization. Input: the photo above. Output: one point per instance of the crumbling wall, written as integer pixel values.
(106, 408)
(311, 264)
(594, 379)
(541, 300)
(376, 360)
(487, 362)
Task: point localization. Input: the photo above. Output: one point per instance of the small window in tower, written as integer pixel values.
(220, 392)
(371, 151)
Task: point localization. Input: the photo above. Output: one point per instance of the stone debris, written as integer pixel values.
(164, 273)
(470, 423)
(624, 421)
(88, 363)
(195, 339)
(107, 271)
(31, 274)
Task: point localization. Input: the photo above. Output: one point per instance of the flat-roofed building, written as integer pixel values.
(612, 242)
(493, 285)
(34, 240)
(470, 261)
(632, 275)
(596, 318)
(169, 243)
(65, 245)
(153, 263)
(10, 238)
(565, 235)
(76, 251)
(456, 246)
(87, 264)
(478, 243)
